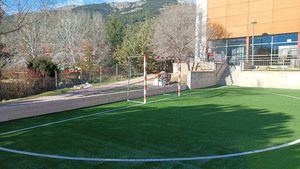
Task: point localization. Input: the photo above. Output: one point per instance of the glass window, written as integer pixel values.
(218, 43)
(292, 37)
(261, 39)
(235, 54)
(238, 41)
(285, 50)
(262, 49)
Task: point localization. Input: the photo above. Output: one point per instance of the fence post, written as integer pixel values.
(100, 74)
(56, 80)
(81, 77)
(117, 71)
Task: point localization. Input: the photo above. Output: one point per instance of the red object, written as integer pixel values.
(72, 71)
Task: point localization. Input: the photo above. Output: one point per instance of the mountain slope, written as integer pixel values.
(138, 11)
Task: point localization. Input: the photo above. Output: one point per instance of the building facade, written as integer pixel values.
(274, 24)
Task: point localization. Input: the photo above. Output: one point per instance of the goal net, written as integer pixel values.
(143, 83)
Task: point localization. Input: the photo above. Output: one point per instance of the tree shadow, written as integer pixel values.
(163, 132)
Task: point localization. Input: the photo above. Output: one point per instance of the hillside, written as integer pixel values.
(134, 11)
(128, 12)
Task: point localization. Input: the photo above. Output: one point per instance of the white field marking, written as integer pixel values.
(99, 113)
(150, 159)
(133, 101)
(81, 117)
(284, 95)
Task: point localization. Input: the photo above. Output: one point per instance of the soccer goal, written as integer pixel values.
(143, 82)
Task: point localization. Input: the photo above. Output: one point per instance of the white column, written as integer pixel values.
(200, 35)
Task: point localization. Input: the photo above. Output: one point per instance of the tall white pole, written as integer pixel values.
(200, 34)
(272, 42)
(179, 79)
(253, 52)
(145, 79)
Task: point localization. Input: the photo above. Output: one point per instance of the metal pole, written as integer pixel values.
(272, 42)
(226, 50)
(253, 52)
(145, 79)
(117, 69)
(129, 76)
(99, 74)
(56, 79)
(179, 80)
(81, 77)
(253, 44)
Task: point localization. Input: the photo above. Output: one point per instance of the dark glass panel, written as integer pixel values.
(285, 37)
(237, 41)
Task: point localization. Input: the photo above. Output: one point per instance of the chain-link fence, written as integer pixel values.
(25, 83)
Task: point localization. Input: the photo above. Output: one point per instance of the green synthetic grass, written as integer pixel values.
(205, 122)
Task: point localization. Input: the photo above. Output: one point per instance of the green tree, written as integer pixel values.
(136, 43)
(115, 31)
(43, 65)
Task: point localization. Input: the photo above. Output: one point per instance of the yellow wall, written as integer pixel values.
(273, 16)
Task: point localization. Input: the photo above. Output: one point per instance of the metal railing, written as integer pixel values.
(274, 64)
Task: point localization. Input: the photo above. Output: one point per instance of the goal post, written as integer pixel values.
(144, 78)
(141, 81)
(179, 81)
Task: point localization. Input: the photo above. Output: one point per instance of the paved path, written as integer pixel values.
(97, 90)
(105, 94)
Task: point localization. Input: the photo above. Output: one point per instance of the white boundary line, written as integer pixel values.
(284, 95)
(134, 101)
(150, 159)
(141, 159)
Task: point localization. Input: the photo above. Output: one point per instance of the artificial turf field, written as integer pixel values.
(213, 121)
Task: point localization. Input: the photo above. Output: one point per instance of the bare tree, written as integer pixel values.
(19, 10)
(216, 31)
(97, 53)
(97, 38)
(32, 35)
(71, 32)
(174, 33)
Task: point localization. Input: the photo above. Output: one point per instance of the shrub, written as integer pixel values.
(43, 65)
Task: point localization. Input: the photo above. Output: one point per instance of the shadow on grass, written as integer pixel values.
(162, 132)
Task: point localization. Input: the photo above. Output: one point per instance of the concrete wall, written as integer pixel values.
(15, 111)
(269, 79)
(198, 80)
(201, 66)
(202, 79)
(264, 79)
